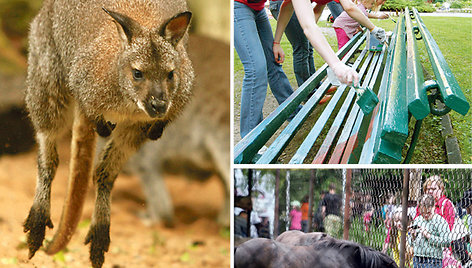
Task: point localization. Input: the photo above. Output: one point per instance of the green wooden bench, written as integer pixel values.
(339, 132)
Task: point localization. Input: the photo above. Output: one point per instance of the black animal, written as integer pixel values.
(326, 252)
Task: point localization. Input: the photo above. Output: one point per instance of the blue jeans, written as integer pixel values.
(335, 8)
(423, 262)
(303, 62)
(253, 42)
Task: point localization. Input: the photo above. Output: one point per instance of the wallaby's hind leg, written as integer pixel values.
(48, 102)
(125, 140)
(39, 215)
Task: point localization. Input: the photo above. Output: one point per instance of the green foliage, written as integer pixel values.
(399, 5)
(374, 238)
(457, 4)
(394, 5)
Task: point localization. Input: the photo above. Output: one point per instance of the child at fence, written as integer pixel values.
(295, 216)
(346, 27)
(392, 240)
(368, 212)
(430, 234)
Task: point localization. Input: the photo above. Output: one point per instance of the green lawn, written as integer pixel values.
(454, 37)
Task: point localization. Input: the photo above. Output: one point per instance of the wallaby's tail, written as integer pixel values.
(82, 153)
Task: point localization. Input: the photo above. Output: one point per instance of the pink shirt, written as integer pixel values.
(348, 24)
(256, 5)
(319, 2)
(296, 220)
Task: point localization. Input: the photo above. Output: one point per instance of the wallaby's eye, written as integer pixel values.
(137, 74)
(170, 76)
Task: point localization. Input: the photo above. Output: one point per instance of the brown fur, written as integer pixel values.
(197, 144)
(122, 66)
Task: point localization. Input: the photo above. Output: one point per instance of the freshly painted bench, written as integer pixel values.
(341, 133)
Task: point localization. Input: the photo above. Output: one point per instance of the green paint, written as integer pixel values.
(366, 99)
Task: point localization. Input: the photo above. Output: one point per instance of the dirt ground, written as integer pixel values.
(196, 240)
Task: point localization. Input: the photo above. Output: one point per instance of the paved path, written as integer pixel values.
(446, 14)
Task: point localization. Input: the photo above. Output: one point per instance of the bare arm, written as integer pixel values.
(378, 15)
(306, 18)
(355, 13)
(317, 10)
(285, 13)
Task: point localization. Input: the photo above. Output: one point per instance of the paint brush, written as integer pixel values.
(366, 99)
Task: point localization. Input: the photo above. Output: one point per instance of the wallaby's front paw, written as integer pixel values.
(99, 239)
(104, 129)
(35, 226)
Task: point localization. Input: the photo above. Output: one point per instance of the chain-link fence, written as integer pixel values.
(413, 215)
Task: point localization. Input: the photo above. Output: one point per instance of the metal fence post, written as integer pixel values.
(347, 191)
(310, 201)
(406, 186)
(276, 205)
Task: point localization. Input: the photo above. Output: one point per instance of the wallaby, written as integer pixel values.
(118, 68)
(197, 144)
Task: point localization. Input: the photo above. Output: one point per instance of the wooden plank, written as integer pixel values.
(417, 99)
(362, 125)
(348, 139)
(450, 90)
(373, 134)
(395, 126)
(388, 153)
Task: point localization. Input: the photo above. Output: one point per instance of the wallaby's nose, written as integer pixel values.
(159, 106)
(155, 106)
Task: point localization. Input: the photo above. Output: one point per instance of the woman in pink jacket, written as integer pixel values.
(444, 208)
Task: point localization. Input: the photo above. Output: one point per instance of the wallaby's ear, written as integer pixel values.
(175, 28)
(125, 25)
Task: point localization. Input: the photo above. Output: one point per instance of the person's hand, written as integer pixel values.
(383, 16)
(279, 54)
(379, 33)
(413, 232)
(358, 29)
(345, 74)
(425, 233)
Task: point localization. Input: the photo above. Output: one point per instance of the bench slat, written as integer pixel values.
(356, 133)
(307, 144)
(417, 97)
(279, 144)
(395, 126)
(341, 116)
(394, 123)
(373, 134)
(450, 90)
(247, 148)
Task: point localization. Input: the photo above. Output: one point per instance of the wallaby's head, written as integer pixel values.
(148, 66)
